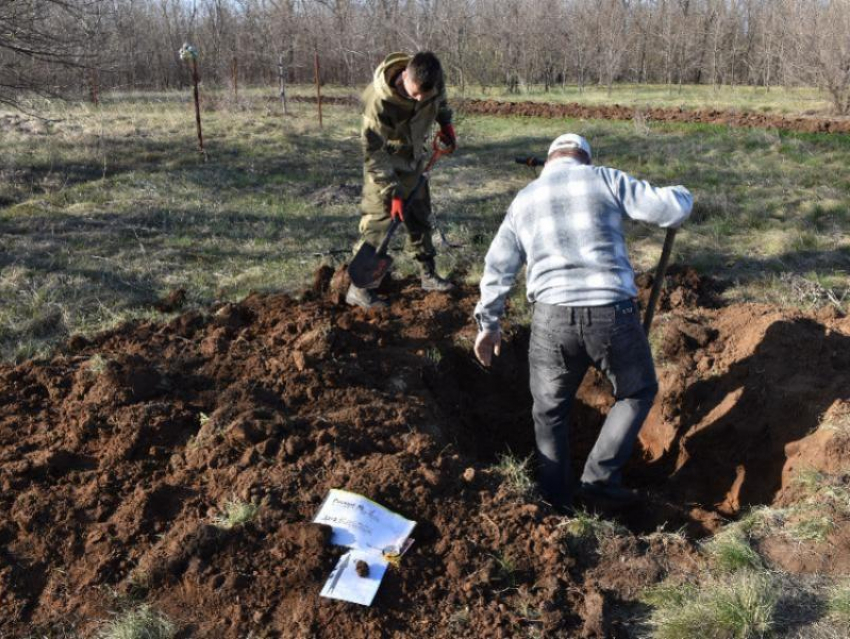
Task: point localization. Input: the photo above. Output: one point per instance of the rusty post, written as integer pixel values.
(281, 72)
(234, 73)
(196, 78)
(318, 89)
(94, 87)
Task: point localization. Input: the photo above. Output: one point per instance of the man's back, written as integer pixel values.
(569, 223)
(567, 228)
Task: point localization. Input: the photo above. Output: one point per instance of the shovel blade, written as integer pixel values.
(368, 267)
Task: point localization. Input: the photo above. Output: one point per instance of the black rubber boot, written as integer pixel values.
(364, 298)
(430, 280)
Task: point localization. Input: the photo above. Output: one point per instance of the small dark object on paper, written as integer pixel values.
(362, 569)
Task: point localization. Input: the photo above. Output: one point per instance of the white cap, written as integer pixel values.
(570, 142)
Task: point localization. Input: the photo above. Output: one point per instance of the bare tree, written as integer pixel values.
(822, 57)
(517, 43)
(37, 37)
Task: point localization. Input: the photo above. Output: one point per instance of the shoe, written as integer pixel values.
(608, 493)
(365, 298)
(430, 280)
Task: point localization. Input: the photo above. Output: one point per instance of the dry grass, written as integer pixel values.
(730, 551)
(837, 418)
(139, 623)
(838, 604)
(740, 606)
(236, 513)
(517, 479)
(583, 525)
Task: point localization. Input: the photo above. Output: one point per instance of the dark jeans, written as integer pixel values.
(565, 341)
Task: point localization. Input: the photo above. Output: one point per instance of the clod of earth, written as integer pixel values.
(362, 568)
(107, 478)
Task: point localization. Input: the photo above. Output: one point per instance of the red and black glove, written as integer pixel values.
(397, 208)
(447, 136)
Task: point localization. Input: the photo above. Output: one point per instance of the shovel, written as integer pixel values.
(530, 160)
(658, 283)
(370, 265)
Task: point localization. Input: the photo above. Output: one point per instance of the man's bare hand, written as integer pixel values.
(487, 344)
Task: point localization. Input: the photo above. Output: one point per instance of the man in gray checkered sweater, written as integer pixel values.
(567, 228)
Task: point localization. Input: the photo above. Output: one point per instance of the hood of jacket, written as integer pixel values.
(392, 65)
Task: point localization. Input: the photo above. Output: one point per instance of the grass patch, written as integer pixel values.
(526, 607)
(236, 513)
(506, 570)
(459, 619)
(97, 364)
(730, 551)
(821, 499)
(759, 521)
(837, 418)
(809, 526)
(739, 606)
(590, 526)
(838, 604)
(516, 475)
(139, 623)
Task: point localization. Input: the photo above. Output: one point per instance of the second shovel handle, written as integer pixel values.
(658, 283)
(382, 249)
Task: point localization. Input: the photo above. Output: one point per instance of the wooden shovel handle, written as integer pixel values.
(658, 283)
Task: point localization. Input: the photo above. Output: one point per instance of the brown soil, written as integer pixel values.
(114, 468)
(811, 124)
(574, 110)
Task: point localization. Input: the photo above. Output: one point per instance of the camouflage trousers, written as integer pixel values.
(375, 215)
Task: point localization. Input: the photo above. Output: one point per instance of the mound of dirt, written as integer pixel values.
(119, 454)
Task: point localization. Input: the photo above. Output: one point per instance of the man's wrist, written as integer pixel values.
(487, 325)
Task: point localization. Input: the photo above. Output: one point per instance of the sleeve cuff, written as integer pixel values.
(488, 325)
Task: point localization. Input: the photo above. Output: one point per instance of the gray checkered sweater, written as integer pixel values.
(567, 227)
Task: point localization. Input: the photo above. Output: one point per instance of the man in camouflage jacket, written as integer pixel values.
(406, 97)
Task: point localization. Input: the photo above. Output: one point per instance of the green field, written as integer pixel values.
(105, 210)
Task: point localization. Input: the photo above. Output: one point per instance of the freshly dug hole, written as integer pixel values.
(742, 389)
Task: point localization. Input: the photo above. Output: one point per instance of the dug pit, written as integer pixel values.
(730, 427)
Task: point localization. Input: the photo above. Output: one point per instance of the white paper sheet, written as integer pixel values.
(360, 523)
(345, 584)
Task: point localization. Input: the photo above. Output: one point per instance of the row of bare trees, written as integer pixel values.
(133, 44)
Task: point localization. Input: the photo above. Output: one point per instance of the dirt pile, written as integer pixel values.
(574, 110)
(119, 455)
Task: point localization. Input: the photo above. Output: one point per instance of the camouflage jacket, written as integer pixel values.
(396, 130)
